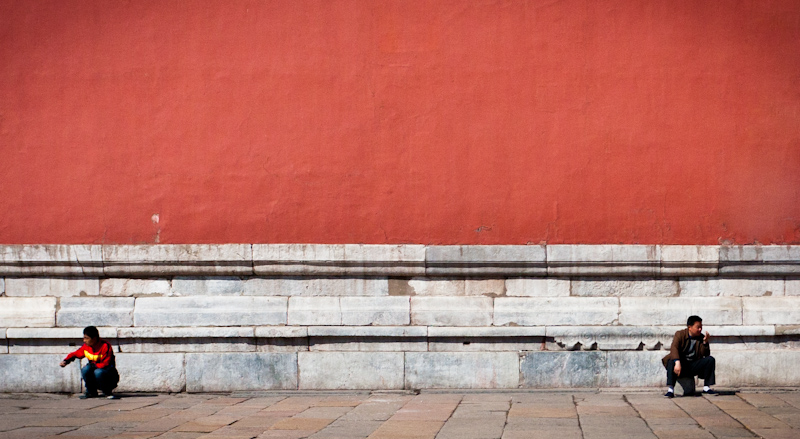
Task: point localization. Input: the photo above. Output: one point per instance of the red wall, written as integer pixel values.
(374, 121)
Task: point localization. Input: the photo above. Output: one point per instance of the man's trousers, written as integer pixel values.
(702, 368)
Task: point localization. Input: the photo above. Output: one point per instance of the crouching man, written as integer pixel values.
(689, 356)
(100, 372)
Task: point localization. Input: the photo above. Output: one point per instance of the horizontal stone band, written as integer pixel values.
(209, 372)
(469, 311)
(391, 331)
(396, 260)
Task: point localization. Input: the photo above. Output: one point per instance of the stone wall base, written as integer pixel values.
(242, 317)
(227, 372)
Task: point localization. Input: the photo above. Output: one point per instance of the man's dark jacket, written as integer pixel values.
(680, 342)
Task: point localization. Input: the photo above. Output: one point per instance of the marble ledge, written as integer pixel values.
(397, 260)
(557, 332)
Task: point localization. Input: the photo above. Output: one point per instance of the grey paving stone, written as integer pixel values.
(349, 415)
(475, 428)
(346, 428)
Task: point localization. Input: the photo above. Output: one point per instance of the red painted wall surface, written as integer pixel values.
(408, 121)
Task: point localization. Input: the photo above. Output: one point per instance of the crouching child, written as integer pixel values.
(100, 372)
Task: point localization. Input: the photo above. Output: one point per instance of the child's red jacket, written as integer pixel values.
(101, 356)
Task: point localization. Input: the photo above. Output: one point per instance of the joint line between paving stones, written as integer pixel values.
(757, 409)
(638, 413)
(578, 415)
(695, 420)
(505, 423)
(58, 434)
(449, 417)
(732, 417)
(788, 402)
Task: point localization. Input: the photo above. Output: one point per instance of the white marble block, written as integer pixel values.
(24, 312)
(315, 311)
(757, 368)
(449, 287)
(689, 260)
(51, 260)
(485, 287)
(436, 287)
(699, 287)
(487, 331)
(636, 369)
(451, 311)
(350, 370)
(29, 373)
(485, 260)
(281, 331)
(241, 372)
(177, 259)
(52, 286)
(563, 369)
(209, 311)
(462, 370)
(599, 287)
(771, 310)
(207, 286)
(760, 260)
(375, 310)
(149, 372)
(338, 259)
(647, 311)
(331, 286)
(95, 311)
(533, 287)
(542, 311)
(186, 339)
(603, 260)
(792, 287)
(123, 287)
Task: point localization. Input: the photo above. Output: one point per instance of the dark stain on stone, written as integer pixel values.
(400, 287)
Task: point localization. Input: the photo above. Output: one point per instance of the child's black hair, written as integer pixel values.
(91, 331)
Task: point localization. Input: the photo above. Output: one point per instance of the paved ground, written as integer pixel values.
(529, 415)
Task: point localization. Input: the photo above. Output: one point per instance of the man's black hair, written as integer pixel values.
(692, 320)
(91, 331)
